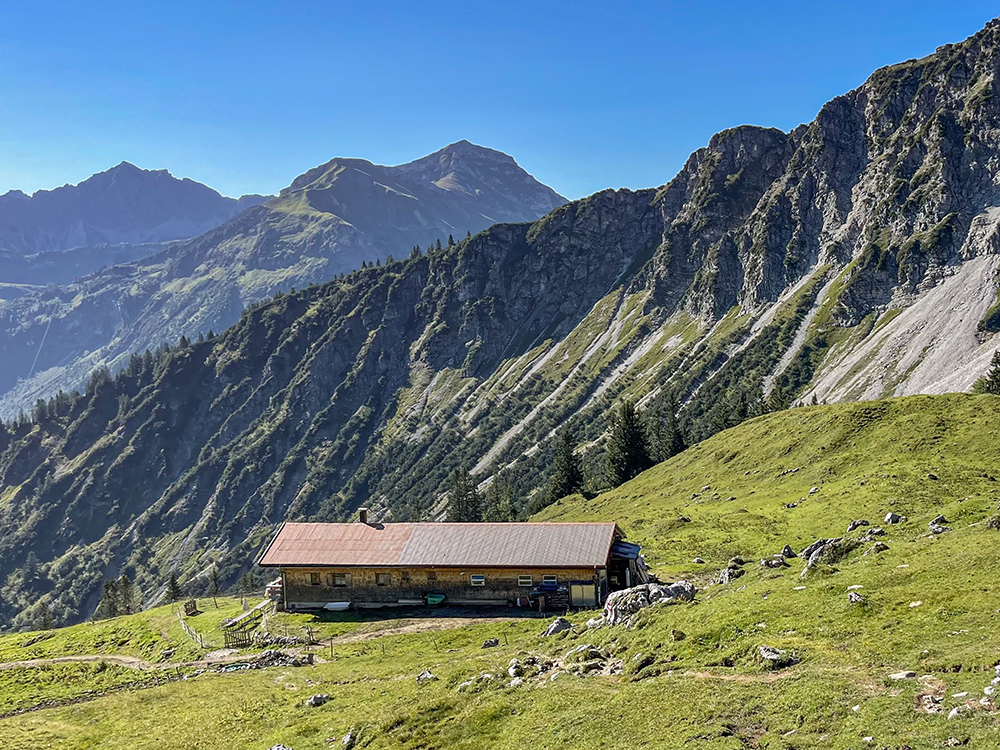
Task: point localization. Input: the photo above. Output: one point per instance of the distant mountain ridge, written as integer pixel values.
(124, 204)
(328, 221)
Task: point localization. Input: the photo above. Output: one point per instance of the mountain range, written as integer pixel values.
(853, 257)
(116, 216)
(328, 221)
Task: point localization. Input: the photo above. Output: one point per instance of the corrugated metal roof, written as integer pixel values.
(328, 544)
(473, 545)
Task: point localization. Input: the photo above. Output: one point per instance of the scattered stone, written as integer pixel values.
(595, 622)
(956, 712)
(937, 529)
(349, 739)
(787, 551)
(559, 625)
(892, 518)
(774, 562)
(932, 476)
(855, 598)
(876, 531)
(913, 605)
(876, 548)
(684, 519)
(989, 690)
(791, 505)
(706, 488)
(961, 695)
(736, 561)
(280, 747)
(315, 701)
(677, 635)
(808, 551)
(516, 682)
(799, 588)
(729, 575)
(698, 561)
(730, 498)
(263, 660)
(514, 669)
(905, 675)
(491, 643)
(855, 587)
(857, 525)
(955, 742)
(622, 604)
(773, 658)
(814, 490)
(426, 676)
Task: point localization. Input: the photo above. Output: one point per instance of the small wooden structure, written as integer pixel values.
(238, 632)
(191, 607)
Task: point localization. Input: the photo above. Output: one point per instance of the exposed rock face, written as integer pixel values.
(329, 221)
(854, 256)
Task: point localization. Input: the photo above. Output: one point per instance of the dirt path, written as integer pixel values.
(132, 662)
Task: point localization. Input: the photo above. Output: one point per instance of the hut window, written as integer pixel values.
(477, 580)
(526, 580)
(550, 579)
(340, 579)
(432, 575)
(406, 576)
(314, 579)
(381, 579)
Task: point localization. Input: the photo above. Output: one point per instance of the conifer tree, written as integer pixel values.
(126, 595)
(463, 505)
(628, 451)
(499, 503)
(31, 568)
(108, 607)
(665, 434)
(990, 382)
(567, 473)
(213, 588)
(437, 245)
(43, 617)
(451, 241)
(174, 592)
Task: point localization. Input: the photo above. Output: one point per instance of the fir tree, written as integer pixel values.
(126, 595)
(213, 588)
(174, 592)
(43, 618)
(567, 474)
(666, 437)
(451, 241)
(628, 452)
(990, 382)
(108, 607)
(31, 568)
(437, 245)
(499, 504)
(463, 505)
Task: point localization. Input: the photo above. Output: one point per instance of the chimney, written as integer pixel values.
(363, 515)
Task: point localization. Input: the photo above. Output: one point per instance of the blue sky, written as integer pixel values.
(585, 95)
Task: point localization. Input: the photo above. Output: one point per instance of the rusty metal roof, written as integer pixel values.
(331, 544)
(471, 545)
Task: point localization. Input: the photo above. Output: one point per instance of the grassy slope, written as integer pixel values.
(865, 458)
